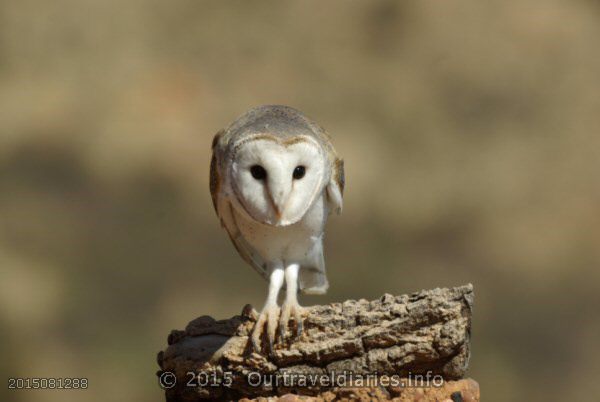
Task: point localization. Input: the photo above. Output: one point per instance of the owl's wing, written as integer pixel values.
(224, 211)
(335, 187)
(246, 251)
(312, 277)
(215, 178)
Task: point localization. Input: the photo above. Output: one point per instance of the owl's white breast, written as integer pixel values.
(287, 244)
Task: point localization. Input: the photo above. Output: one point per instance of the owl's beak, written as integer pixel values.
(279, 187)
(278, 201)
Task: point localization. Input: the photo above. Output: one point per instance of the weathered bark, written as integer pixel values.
(402, 336)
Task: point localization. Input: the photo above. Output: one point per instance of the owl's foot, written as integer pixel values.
(290, 308)
(268, 316)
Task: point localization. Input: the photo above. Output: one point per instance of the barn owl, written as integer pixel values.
(274, 179)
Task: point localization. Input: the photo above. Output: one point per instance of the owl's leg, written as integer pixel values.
(269, 312)
(290, 306)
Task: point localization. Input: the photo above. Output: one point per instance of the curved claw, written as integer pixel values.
(300, 326)
(255, 345)
(271, 346)
(293, 310)
(257, 332)
(267, 317)
(286, 310)
(299, 321)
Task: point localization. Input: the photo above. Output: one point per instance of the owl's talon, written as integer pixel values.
(268, 318)
(257, 332)
(273, 314)
(271, 346)
(298, 313)
(300, 325)
(286, 310)
(290, 310)
(255, 346)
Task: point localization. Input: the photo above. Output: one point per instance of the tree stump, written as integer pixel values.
(393, 346)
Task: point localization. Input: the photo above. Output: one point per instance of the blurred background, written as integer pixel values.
(469, 131)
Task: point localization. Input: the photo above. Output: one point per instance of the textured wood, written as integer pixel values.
(404, 335)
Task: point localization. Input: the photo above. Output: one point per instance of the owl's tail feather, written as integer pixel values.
(315, 290)
(313, 281)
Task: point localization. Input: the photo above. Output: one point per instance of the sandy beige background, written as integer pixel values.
(469, 131)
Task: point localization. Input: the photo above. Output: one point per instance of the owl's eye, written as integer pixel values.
(299, 172)
(258, 172)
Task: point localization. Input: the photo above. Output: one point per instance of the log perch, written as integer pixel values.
(406, 336)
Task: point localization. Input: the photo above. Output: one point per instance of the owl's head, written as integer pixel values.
(276, 179)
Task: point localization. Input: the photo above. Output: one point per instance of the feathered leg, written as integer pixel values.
(290, 306)
(269, 312)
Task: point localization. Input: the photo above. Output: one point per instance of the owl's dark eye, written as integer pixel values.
(299, 172)
(258, 172)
